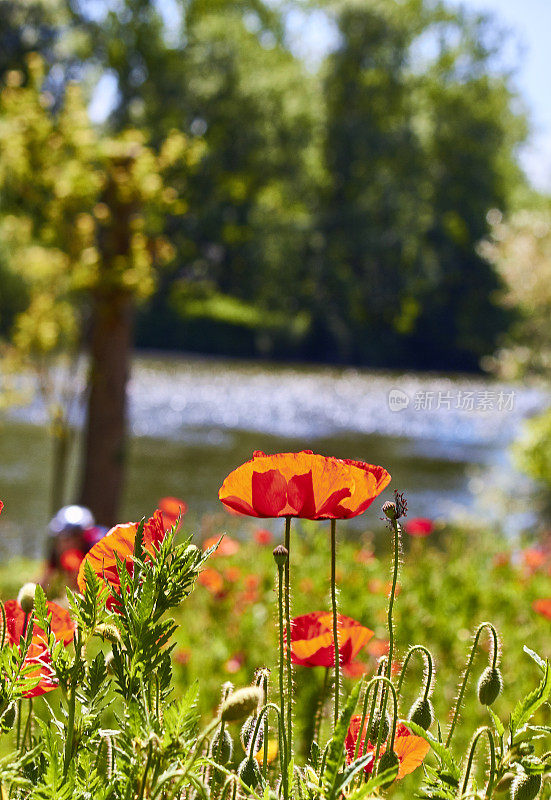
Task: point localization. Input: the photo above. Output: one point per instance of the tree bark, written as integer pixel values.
(110, 352)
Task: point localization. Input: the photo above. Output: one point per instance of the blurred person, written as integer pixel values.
(72, 532)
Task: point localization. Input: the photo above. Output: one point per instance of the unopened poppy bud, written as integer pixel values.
(222, 746)
(422, 713)
(281, 554)
(241, 703)
(249, 772)
(191, 551)
(525, 787)
(389, 760)
(247, 733)
(505, 783)
(374, 727)
(490, 685)
(108, 631)
(7, 719)
(389, 509)
(109, 658)
(25, 598)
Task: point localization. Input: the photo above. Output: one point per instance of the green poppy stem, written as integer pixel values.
(468, 767)
(281, 721)
(288, 626)
(335, 619)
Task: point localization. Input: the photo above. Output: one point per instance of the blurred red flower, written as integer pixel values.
(411, 750)
(378, 648)
(312, 643)
(303, 485)
(227, 547)
(420, 526)
(119, 541)
(355, 669)
(232, 574)
(171, 508)
(182, 656)
(211, 580)
(263, 536)
(234, 663)
(543, 607)
(38, 656)
(70, 560)
(533, 558)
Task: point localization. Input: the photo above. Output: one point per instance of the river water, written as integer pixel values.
(444, 440)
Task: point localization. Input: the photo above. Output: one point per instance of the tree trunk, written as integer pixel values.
(110, 352)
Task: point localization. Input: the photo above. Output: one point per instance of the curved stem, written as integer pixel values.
(491, 748)
(4, 632)
(335, 619)
(288, 626)
(429, 666)
(466, 674)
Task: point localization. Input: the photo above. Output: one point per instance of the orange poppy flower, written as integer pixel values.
(227, 547)
(302, 485)
(312, 643)
(543, 607)
(211, 580)
(38, 656)
(119, 542)
(411, 750)
(172, 508)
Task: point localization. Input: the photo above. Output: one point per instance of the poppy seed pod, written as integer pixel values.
(389, 760)
(490, 685)
(241, 703)
(249, 772)
(247, 733)
(389, 510)
(108, 631)
(280, 554)
(25, 598)
(525, 787)
(374, 727)
(505, 783)
(222, 746)
(422, 713)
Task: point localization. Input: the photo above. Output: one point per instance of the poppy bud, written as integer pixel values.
(109, 658)
(247, 733)
(374, 727)
(505, 783)
(389, 760)
(490, 685)
(525, 787)
(109, 632)
(389, 510)
(191, 551)
(25, 598)
(241, 703)
(280, 554)
(249, 772)
(422, 713)
(7, 719)
(222, 746)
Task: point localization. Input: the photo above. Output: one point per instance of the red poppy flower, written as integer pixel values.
(420, 526)
(312, 643)
(543, 607)
(411, 750)
(119, 542)
(534, 558)
(1, 506)
(71, 559)
(263, 536)
(211, 580)
(302, 485)
(172, 508)
(38, 656)
(227, 547)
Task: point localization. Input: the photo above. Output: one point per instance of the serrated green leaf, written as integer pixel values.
(335, 754)
(535, 657)
(498, 725)
(527, 707)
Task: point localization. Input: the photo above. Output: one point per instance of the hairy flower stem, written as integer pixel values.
(384, 694)
(265, 742)
(492, 749)
(281, 725)
(429, 668)
(288, 626)
(321, 704)
(335, 619)
(495, 643)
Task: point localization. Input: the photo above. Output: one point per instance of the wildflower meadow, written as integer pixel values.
(294, 662)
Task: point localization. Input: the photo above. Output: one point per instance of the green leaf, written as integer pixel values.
(40, 607)
(498, 724)
(440, 749)
(335, 755)
(535, 657)
(526, 708)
